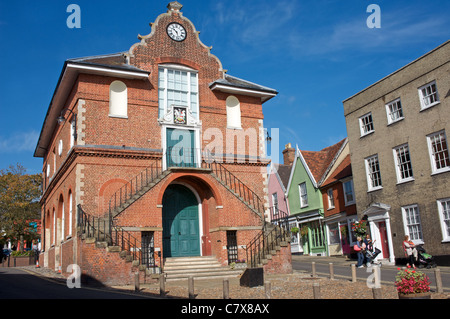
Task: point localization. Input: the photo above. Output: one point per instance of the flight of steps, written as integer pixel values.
(204, 267)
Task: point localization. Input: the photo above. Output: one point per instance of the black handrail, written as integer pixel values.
(136, 184)
(237, 186)
(268, 239)
(102, 229)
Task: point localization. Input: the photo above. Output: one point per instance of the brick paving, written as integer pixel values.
(292, 286)
(298, 285)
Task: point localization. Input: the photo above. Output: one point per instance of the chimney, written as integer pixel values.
(288, 154)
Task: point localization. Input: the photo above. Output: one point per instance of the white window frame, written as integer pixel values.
(303, 194)
(444, 153)
(402, 159)
(330, 198)
(275, 203)
(410, 221)
(425, 96)
(370, 173)
(394, 111)
(444, 217)
(163, 90)
(352, 191)
(364, 124)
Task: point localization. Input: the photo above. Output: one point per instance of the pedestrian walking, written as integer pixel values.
(35, 248)
(410, 251)
(368, 250)
(358, 248)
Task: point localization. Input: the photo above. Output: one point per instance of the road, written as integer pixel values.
(342, 270)
(16, 283)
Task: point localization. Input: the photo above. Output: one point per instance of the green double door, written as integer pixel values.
(181, 230)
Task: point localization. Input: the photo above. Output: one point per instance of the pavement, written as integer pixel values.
(215, 286)
(342, 260)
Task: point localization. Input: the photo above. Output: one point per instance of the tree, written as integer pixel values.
(19, 203)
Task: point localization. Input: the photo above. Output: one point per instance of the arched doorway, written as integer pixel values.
(181, 224)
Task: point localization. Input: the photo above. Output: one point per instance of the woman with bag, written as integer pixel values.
(358, 247)
(410, 251)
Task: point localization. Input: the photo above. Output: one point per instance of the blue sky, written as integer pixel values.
(316, 53)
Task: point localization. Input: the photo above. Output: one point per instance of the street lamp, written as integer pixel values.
(61, 119)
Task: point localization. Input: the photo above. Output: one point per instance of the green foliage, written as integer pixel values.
(410, 281)
(19, 202)
(22, 253)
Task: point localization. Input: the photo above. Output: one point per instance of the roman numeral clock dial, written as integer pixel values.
(176, 32)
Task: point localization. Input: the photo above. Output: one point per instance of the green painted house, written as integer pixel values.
(309, 170)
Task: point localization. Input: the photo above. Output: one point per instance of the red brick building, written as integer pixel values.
(156, 150)
(338, 198)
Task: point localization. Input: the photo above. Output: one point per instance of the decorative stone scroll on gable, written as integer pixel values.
(174, 6)
(179, 115)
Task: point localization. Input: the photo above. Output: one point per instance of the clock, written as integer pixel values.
(176, 32)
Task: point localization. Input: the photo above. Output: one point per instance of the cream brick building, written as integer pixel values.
(398, 131)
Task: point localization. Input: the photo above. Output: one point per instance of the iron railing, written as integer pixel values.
(102, 229)
(237, 186)
(279, 217)
(268, 239)
(134, 186)
(126, 242)
(93, 227)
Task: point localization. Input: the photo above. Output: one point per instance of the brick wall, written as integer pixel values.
(281, 263)
(426, 187)
(110, 151)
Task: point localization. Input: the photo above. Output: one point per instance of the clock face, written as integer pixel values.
(176, 32)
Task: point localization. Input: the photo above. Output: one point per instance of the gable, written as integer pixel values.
(343, 170)
(142, 61)
(158, 47)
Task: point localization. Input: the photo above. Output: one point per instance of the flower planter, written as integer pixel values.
(412, 284)
(422, 295)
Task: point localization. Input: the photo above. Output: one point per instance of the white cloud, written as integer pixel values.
(397, 31)
(19, 142)
(251, 26)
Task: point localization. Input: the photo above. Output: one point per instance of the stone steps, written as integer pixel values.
(204, 267)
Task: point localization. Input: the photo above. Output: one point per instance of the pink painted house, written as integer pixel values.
(278, 181)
